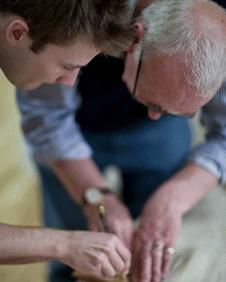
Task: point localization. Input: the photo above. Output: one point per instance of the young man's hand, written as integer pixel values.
(94, 253)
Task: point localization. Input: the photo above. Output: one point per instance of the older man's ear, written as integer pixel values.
(139, 35)
(130, 63)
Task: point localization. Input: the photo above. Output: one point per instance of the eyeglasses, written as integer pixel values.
(137, 73)
(152, 107)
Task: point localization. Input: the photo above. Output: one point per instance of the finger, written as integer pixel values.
(157, 257)
(124, 254)
(134, 271)
(127, 234)
(107, 268)
(167, 261)
(141, 266)
(119, 232)
(117, 262)
(94, 227)
(135, 254)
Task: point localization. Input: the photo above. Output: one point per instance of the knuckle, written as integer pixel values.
(107, 252)
(113, 240)
(95, 269)
(128, 255)
(120, 266)
(101, 259)
(95, 262)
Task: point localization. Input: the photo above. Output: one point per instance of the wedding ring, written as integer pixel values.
(169, 250)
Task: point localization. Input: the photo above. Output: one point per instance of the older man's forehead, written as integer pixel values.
(193, 101)
(185, 100)
(167, 79)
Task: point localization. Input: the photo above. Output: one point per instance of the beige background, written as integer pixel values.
(19, 197)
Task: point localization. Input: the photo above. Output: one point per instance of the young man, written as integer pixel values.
(48, 42)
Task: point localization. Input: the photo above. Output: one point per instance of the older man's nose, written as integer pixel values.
(154, 115)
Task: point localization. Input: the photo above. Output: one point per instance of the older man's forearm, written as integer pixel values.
(78, 175)
(188, 186)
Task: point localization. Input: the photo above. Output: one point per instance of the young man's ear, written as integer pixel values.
(17, 33)
(139, 34)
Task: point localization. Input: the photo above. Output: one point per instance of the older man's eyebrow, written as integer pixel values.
(189, 115)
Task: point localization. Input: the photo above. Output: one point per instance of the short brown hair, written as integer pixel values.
(105, 23)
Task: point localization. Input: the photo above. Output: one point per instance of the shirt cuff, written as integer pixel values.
(209, 165)
(46, 156)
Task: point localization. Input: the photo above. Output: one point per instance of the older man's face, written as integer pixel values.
(162, 85)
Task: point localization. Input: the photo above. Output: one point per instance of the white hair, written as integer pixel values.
(172, 27)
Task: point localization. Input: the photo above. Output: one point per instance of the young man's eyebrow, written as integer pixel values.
(71, 66)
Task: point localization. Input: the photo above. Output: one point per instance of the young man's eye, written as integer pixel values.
(68, 68)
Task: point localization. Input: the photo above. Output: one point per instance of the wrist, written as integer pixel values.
(163, 202)
(62, 244)
(56, 244)
(95, 196)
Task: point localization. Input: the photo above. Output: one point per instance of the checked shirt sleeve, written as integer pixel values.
(48, 123)
(212, 154)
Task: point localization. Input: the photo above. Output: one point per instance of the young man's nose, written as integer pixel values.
(68, 79)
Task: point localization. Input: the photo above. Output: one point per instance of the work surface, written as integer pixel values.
(201, 249)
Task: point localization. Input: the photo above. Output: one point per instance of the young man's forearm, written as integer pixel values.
(77, 249)
(19, 245)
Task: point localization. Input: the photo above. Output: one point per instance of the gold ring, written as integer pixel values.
(169, 250)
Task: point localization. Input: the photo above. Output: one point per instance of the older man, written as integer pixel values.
(172, 68)
(48, 42)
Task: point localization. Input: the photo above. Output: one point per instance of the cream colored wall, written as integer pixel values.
(19, 194)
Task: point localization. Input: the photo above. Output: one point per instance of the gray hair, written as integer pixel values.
(172, 27)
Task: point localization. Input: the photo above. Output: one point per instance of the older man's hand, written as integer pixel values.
(118, 217)
(161, 219)
(155, 239)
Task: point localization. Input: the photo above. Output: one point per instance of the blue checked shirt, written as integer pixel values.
(48, 122)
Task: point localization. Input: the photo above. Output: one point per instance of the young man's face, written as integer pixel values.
(54, 64)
